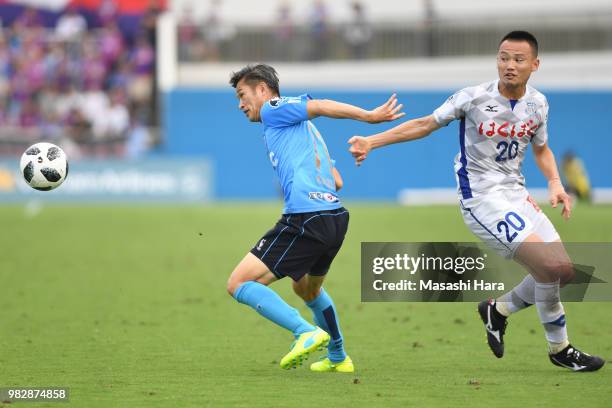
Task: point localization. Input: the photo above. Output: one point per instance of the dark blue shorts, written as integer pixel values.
(304, 243)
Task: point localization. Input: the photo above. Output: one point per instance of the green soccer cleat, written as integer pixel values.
(304, 345)
(327, 366)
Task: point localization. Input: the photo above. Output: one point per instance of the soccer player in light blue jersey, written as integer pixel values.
(304, 242)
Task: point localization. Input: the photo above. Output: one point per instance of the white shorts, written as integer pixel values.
(504, 219)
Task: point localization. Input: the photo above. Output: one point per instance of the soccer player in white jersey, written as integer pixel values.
(498, 120)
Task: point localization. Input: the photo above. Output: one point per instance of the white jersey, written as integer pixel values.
(493, 134)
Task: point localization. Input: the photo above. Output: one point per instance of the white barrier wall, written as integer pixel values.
(265, 12)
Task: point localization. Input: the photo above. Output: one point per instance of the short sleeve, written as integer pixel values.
(455, 107)
(541, 134)
(286, 111)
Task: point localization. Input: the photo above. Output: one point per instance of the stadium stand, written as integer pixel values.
(82, 78)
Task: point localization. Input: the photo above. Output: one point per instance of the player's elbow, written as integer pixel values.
(542, 151)
(428, 125)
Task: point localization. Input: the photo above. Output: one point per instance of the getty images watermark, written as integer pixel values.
(449, 272)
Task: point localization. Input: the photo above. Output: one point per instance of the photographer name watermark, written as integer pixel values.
(431, 285)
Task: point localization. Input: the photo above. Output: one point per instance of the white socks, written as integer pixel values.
(519, 298)
(551, 315)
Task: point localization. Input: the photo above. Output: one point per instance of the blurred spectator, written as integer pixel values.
(20, 87)
(28, 114)
(53, 60)
(429, 26)
(284, 31)
(358, 32)
(68, 99)
(213, 30)
(319, 31)
(5, 58)
(192, 45)
(187, 34)
(70, 25)
(142, 60)
(576, 177)
(111, 44)
(29, 18)
(77, 126)
(74, 87)
(4, 119)
(149, 27)
(117, 116)
(34, 66)
(107, 12)
(93, 71)
(138, 138)
(149, 21)
(94, 106)
(122, 76)
(47, 101)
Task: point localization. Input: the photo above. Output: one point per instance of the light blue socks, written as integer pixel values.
(272, 307)
(326, 318)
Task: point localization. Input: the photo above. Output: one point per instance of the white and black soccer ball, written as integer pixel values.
(44, 166)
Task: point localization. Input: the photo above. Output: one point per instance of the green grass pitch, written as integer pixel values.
(127, 307)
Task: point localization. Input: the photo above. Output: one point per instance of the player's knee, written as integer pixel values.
(566, 273)
(232, 285)
(306, 289)
(230, 288)
(308, 294)
(298, 288)
(556, 269)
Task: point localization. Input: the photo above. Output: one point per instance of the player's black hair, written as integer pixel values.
(254, 74)
(522, 36)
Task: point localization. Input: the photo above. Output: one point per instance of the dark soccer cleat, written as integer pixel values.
(495, 324)
(574, 359)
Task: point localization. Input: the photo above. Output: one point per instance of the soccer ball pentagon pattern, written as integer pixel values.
(44, 166)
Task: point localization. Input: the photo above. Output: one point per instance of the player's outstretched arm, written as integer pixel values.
(407, 131)
(386, 112)
(545, 159)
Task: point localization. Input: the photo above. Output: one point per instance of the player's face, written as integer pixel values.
(515, 63)
(251, 98)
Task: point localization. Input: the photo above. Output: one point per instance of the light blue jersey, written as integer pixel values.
(299, 156)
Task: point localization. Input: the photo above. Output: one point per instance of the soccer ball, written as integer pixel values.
(44, 166)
